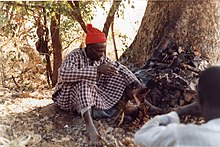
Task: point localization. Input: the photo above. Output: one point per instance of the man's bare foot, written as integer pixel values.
(94, 136)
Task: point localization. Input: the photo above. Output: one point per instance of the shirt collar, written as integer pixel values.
(84, 52)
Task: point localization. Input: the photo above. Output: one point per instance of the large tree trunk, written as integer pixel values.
(57, 46)
(188, 24)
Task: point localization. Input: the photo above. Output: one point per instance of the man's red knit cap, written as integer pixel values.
(94, 35)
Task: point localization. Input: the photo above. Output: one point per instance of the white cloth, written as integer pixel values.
(166, 130)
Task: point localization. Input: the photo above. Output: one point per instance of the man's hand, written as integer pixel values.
(130, 107)
(107, 69)
(168, 118)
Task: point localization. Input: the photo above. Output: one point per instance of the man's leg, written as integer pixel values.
(90, 128)
(84, 97)
(81, 97)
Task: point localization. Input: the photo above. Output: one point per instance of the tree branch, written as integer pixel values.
(27, 5)
(110, 17)
(77, 15)
(69, 43)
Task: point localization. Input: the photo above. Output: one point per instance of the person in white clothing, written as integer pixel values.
(166, 130)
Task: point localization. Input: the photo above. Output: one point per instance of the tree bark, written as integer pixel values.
(57, 46)
(186, 23)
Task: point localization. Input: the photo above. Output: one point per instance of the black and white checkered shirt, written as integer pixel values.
(80, 86)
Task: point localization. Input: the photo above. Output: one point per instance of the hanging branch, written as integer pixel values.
(77, 15)
(110, 17)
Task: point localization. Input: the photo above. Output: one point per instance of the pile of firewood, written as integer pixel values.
(171, 77)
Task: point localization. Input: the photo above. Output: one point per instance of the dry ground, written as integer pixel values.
(29, 119)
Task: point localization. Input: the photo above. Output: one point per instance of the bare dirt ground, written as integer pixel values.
(28, 119)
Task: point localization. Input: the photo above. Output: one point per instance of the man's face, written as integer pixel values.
(96, 51)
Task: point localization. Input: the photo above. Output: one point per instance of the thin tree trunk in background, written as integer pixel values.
(57, 46)
(183, 23)
(47, 55)
(114, 43)
(48, 68)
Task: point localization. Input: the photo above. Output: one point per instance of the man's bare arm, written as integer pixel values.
(190, 109)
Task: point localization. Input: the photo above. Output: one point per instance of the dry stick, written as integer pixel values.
(13, 78)
(2, 75)
(122, 118)
(2, 68)
(22, 72)
(192, 68)
(113, 38)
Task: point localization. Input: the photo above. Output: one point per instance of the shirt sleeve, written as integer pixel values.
(71, 72)
(158, 131)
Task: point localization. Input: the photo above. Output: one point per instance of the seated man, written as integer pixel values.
(166, 130)
(88, 79)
